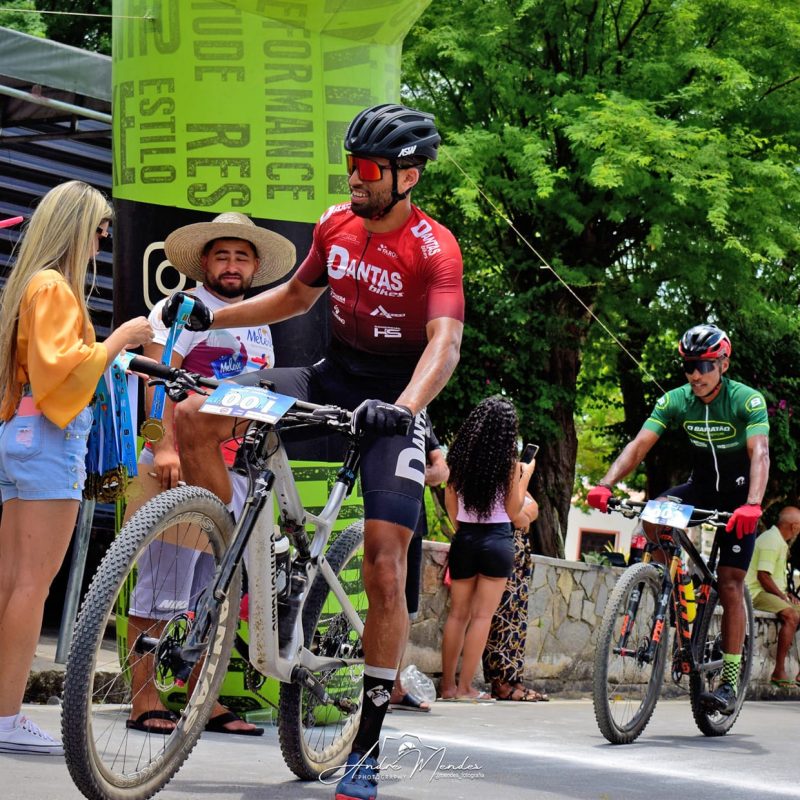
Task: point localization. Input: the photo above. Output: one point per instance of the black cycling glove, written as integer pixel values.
(386, 419)
(199, 320)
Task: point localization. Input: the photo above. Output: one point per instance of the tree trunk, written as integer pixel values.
(555, 477)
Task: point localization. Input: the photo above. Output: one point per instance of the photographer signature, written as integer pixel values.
(417, 757)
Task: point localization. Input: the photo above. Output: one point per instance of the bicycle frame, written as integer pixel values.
(264, 649)
(676, 541)
(255, 527)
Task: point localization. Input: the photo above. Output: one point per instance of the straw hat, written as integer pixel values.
(184, 246)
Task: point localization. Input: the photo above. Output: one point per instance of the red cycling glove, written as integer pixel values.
(598, 498)
(744, 520)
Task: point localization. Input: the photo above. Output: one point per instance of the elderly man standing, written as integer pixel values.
(767, 581)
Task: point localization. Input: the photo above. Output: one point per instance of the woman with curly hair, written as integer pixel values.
(486, 490)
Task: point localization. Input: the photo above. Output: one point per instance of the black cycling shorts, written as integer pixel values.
(392, 467)
(482, 549)
(414, 565)
(733, 552)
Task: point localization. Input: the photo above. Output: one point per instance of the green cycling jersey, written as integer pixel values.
(718, 430)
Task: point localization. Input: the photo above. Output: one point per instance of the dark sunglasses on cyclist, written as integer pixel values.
(103, 234)
(702, 366)
(368, 170)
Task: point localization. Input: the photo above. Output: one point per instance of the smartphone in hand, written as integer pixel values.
(529, 453)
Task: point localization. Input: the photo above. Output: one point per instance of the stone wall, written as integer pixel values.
(567, 600)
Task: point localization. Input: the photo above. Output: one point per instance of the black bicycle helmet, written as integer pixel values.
(393, 131)
(705, 342)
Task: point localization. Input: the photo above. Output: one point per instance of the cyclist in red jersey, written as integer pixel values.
(397, 307)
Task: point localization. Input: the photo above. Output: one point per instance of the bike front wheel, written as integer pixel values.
(626, 684)
(136, 615)
(315, 738)
(709, 656)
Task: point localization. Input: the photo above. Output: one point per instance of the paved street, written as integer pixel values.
(507, 751)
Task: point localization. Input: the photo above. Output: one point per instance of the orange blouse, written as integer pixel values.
(57, 353)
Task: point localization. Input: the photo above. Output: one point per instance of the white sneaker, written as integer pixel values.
(27, 737)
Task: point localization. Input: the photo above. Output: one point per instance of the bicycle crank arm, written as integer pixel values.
(304, 677)
(626, 652)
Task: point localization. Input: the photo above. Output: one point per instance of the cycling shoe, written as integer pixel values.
(721, 700)
(360, 779)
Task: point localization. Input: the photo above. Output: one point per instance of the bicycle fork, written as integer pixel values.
(647, 655)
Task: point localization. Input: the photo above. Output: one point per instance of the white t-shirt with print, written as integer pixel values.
(222, 353)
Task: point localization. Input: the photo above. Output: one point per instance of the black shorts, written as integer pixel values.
(392, 467)
(414, 565)
(733, 552)
(482, 549)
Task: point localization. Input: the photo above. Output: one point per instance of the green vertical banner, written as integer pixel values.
(239, 105)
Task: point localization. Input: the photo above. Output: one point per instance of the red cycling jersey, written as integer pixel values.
(385, 287)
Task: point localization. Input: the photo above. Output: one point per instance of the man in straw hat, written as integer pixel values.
(394, 281)
(227, 256)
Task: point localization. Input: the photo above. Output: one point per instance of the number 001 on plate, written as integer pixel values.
(251, 402)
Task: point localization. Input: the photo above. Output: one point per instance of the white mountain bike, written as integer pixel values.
(304, 629)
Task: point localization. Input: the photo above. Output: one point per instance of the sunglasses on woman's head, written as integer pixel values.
(368, 170)
(703, 367)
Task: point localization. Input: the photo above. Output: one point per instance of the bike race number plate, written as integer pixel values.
(250, 402)
(665, 512)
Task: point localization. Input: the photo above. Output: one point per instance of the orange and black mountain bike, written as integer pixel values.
(633, 644)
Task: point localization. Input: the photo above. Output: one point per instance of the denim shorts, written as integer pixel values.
(482, 549)
(40, 461)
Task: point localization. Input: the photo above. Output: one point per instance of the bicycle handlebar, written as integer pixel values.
(172, 374)
(631, 508)
(182, 379)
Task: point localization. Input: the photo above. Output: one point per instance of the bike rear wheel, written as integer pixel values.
(107, 759)
(707, 678)
(314, 737)
(626, 687)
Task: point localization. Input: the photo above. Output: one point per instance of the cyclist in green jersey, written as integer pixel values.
(728, 429)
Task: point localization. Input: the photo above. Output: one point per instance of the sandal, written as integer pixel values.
(410, 702)
(537, 697)
(515, 694)
(140, 723)
(512, 693)
(219, 724)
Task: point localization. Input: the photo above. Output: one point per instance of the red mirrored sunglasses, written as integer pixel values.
(368, 170)
(702, 366)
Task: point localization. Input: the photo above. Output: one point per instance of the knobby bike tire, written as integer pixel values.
(106, 760)
(712, 723)
(316, 738)
(625, 689)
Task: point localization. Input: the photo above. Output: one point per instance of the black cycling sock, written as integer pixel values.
(377, 691)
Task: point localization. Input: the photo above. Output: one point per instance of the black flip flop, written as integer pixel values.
(138, 724)
(217, 725)
(409, 702)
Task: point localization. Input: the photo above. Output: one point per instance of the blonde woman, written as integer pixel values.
(50, 364)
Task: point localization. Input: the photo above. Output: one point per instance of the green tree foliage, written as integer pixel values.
(80, 23)
(75, 28)
(22, 20)
(648, 148)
